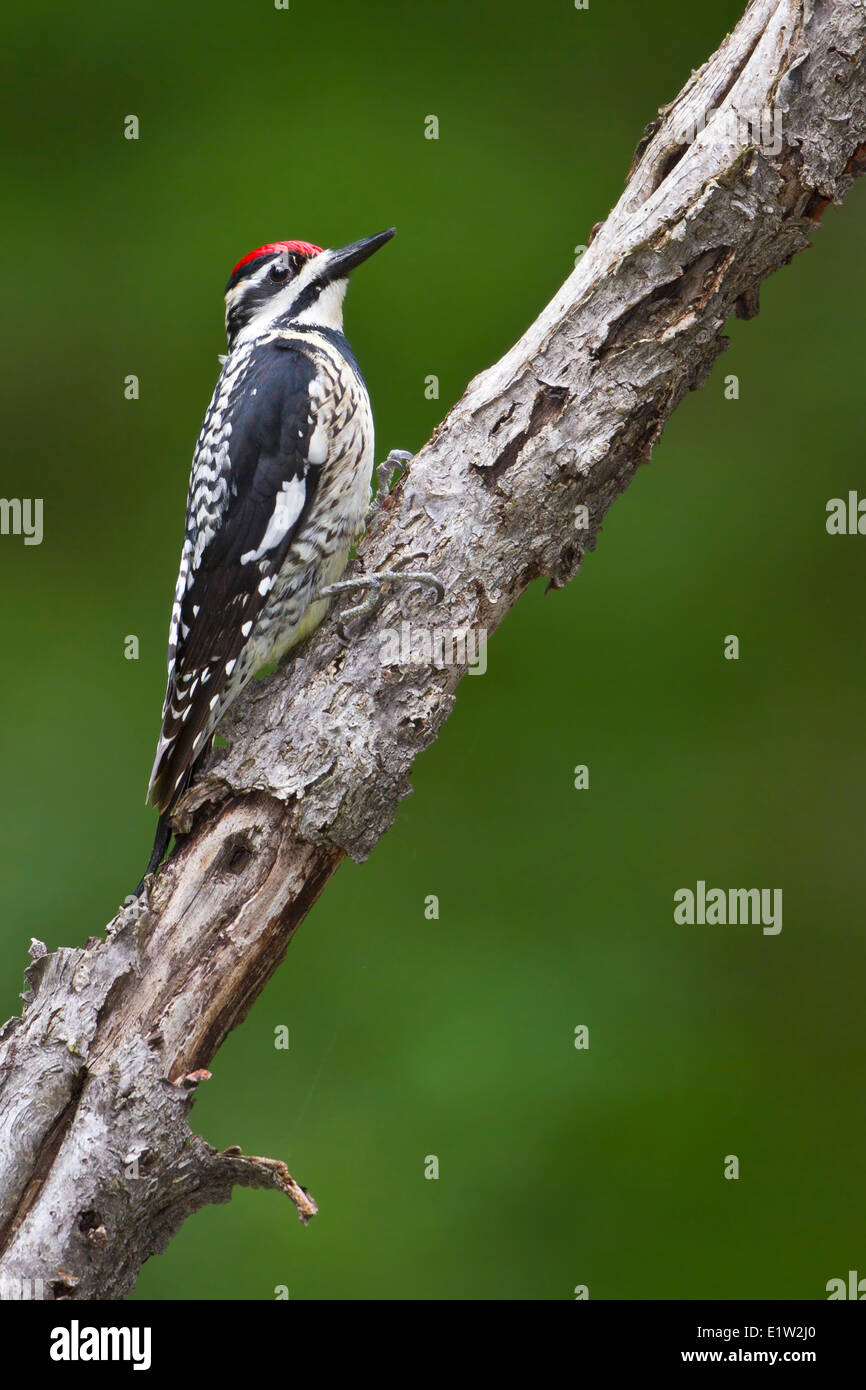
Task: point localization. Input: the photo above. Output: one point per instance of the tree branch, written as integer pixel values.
(97, 1164)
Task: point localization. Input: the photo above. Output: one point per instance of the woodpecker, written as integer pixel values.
(279, 492)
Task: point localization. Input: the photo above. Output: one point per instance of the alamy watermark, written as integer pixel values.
(22, 516)
(77, 1343)
(729, 907)
(846, 516)
(854, 1287)
(762, 129)
(438, 646)
(21, 1289)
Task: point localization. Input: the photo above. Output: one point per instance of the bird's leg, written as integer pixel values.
(397, 459)
(374, 583)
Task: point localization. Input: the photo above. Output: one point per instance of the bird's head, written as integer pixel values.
(292, 281)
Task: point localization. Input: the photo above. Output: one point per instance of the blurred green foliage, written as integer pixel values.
(455, 1037)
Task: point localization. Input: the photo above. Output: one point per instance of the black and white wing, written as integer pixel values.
(252, 483)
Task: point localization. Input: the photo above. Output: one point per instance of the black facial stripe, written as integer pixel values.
(307, 297)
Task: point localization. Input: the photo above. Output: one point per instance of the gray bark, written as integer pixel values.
(98, 1167)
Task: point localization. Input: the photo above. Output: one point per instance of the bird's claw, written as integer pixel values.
(397, 459)
(374, 583)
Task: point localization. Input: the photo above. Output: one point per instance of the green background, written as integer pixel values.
(558, 1167)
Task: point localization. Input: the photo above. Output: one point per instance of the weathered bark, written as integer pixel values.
(97, 1165)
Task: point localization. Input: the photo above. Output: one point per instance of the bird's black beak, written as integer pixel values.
(342, 263)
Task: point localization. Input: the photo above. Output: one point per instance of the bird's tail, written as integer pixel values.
(164, 830)
(160, 845)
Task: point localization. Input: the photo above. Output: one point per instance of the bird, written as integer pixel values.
(279, 492)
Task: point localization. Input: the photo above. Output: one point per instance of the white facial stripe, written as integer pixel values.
(328, 308)
(287, 508)
(243, 287)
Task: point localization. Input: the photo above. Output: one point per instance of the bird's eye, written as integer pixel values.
(278, 272)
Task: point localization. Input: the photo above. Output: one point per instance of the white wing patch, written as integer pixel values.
(288, 504)
(319, 417)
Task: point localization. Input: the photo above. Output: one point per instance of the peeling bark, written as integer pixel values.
(98, 1167)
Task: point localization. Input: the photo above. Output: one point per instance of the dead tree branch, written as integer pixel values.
(97, 1164)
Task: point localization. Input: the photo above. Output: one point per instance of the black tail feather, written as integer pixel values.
(164, 829)
(164, 833)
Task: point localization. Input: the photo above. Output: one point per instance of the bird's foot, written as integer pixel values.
(396, 460)
(374, 583)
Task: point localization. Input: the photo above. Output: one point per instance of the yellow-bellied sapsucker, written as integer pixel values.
(279, 492)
